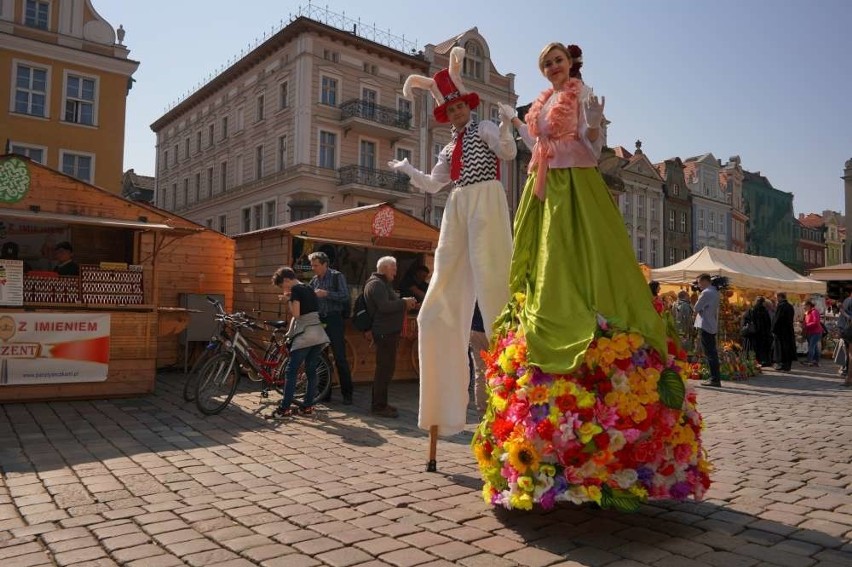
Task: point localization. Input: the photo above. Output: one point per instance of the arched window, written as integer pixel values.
(473, 61)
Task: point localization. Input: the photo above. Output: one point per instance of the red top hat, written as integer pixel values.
(446, 86)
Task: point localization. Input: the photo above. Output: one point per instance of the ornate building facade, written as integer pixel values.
(770, 219)
(711, 210)
(642, 205)
(677, 212)
(68, 75)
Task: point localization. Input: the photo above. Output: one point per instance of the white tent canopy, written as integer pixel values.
(742, 270)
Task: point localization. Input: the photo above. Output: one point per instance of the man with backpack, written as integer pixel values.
(333, 297)
(387, 311)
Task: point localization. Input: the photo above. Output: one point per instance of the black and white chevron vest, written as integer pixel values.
(479, 163)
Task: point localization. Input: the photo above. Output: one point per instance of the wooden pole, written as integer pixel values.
(432, 465)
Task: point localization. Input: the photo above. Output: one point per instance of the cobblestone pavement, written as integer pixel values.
(151, 482)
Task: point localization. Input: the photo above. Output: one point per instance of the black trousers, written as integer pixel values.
(335, 327)
(386, 347)
(708, 342)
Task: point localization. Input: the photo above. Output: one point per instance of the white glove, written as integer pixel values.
(401, 166)
(506, 112)
(594, 111)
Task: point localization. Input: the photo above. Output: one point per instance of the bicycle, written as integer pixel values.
(219, 376)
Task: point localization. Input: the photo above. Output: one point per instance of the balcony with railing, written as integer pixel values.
(371, 118)
(374, 183)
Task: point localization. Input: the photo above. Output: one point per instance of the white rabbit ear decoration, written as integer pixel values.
(446, 86)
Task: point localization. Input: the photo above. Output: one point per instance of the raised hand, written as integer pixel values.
(506, 112)
(398, 165)
(594, 111)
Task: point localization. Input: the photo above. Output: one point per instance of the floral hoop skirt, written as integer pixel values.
(588, 399)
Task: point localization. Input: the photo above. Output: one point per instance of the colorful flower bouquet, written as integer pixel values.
(618, 430)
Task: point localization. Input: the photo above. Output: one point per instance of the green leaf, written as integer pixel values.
(618, 499)
(671, 389)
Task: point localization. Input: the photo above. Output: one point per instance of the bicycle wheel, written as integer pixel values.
(217, 384)
(190, 383)
(324, 373)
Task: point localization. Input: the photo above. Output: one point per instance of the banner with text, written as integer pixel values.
(53, 348)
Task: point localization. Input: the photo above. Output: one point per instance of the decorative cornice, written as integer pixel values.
(73, 56)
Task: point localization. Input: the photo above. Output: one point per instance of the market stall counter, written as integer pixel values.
(354, 239)
(85, 285)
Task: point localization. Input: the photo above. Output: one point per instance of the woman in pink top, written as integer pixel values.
(813, 332)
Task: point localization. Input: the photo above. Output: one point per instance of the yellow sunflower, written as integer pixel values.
(522, 455)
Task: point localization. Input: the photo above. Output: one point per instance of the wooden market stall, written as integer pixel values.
(102, 333)
(354, 240)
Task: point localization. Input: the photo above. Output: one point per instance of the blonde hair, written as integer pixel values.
(547, 49)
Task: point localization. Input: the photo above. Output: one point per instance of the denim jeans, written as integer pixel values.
(708, 342)
(813, 348)
(311, 357)
(335, 327)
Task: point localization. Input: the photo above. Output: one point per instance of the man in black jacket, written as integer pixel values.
(784, 333)
(388, 312)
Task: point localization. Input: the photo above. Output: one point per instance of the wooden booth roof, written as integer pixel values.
(372, 226)
(34, 192)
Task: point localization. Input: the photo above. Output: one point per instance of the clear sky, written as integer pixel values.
(768, 80)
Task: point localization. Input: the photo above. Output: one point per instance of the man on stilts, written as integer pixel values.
(474, 247)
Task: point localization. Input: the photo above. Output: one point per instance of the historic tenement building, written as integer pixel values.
(731, 182)
(642, 205)
(770, 219)
(710, 207)
(66, 76)
(306, 122)
(677, 212)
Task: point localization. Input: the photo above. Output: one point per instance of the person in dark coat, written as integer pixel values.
(762, 339)
(783, 333)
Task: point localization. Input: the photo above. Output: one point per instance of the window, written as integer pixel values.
(683, 222)
(640, 208)
(301, 210)
(35, 153)
(684, 254)
(403, 105)
(403, 153)
(282, 153)
(370, 98)
(186, 148)
(675, 191)
(224, 127)
(327, 149)
(238, 171)
(80, 100)
(495, 114)
(258, 116)
(640, 248)
(186, 191)
(210, 181)
(197, 187)
(269, 213)
(198, 141)
(177, 148)
(701, 219)
(368, 155)
(628, 206)
(437, 215)
(223, 224)
(238, 126)
(246, 216)
(654, 247)
(31, 91)
(258, 162)
(671, 220)
(282, 95)
(36, 14)
(210, 130)
(209, 223)
(78, 165)
(174, 196)
(330, 55)
(165, 159)
(223, 176)
(257, 217)
(672, 256)
(653, 210)
(721, 223)
(329, 91)
(712, 222)
(473, 66)
(706, 189)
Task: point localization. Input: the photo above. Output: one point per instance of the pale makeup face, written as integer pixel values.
(556, 67)
(459, 113)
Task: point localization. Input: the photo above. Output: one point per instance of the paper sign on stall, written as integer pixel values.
(11, 282)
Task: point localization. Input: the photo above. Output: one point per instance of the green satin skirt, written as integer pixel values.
(573, 260)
